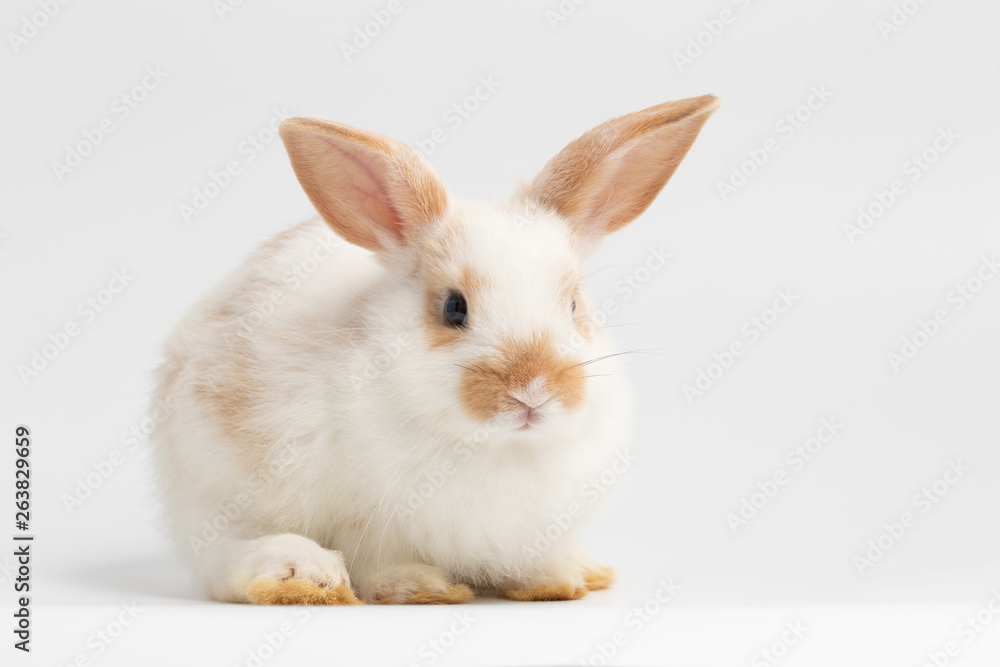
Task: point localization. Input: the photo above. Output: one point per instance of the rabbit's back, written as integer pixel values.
(243, 381)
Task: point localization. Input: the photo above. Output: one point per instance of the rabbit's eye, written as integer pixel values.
(572, 306)
(455, 310)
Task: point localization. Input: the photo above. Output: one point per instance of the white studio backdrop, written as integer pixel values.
(817, 435)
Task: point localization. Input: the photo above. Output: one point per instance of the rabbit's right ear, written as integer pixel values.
(374, 191)
(607, 177)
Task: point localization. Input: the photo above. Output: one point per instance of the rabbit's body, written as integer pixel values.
(340, 437)
(331, 425)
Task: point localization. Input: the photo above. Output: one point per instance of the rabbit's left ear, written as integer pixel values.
(610, 175)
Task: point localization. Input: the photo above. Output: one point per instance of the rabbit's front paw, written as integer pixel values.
(416, 584)
(569, 586)
(291, 569)
(598, 578)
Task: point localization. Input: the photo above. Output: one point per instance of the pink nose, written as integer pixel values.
(534, 395)
(532, 405)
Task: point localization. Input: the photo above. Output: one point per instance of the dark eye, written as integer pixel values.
(455, 310)
(572, 306)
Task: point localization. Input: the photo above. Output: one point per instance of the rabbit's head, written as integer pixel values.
(493, 294)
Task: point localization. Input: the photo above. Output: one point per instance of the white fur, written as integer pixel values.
(351, 436)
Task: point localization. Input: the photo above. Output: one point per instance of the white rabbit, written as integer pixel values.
(413, 410)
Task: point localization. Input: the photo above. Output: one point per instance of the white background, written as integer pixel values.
(784, 229)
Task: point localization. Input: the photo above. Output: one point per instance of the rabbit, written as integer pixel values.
(406, 400)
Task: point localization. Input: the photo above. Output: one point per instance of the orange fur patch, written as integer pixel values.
(599, 579)
(585, 324)
(469, 283)
(569, 288)
(267, 591)
(230, 388)
(487, 384)
(456, 594)
(544, 593)
(234, 380)
(439, 242)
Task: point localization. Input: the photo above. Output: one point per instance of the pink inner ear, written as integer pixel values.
(615, 193)
(366, 193)
(628, 183)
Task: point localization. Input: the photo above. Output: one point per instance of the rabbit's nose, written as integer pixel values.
(534, 405)
(534, 395)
